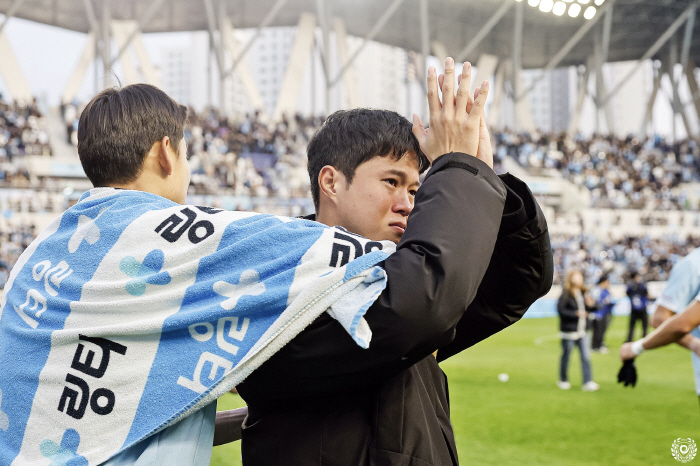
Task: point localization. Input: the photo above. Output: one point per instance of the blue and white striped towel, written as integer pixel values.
(130, 312)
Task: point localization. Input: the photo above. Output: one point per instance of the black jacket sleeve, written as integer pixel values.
(432, 278)
(521, 270)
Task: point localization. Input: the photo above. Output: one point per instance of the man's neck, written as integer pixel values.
(327, 217)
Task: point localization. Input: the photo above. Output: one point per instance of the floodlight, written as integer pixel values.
(599, 2)
(559, 8)
(590, 12)
(574, 10)
(533, 2)
(546, 5)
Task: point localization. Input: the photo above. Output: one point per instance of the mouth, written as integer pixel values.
(398, 227)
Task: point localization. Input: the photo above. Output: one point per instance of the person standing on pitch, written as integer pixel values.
(602, 315)
(677, 315)
(573, 307)
(472, 254)
(639, 299)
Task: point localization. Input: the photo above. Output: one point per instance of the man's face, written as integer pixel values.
(377, 202)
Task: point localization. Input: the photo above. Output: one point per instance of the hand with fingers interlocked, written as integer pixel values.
(457, 124)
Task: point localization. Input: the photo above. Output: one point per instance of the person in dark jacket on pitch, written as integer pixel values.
(639, 300)
(574, 306)
(472, 254)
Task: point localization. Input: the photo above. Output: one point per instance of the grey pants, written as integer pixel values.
(584, 349)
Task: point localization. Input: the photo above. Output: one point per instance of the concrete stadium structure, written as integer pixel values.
(500, 36)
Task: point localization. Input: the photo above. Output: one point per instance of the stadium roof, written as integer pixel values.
(636, 24)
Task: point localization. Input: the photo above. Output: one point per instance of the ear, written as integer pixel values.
(165, 156)
(328, 182)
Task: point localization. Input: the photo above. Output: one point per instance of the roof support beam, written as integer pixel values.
(648, 115)
(12, 74)
(580, 98)
(120, 31)
(675, 99)
(326, 52)
(499, 86)
(99, 42)
(693, 85)
(484, 31)
(425, 51)
(218, 51)
(106, 42)
(341, 39)
(388, 13)
(267, 20)
(211, 27)
(243, 71)
(523, 118)
(80, 70)
(654, 48)
(91, 16)
(518, 42)
(296, 66)
(687, 37)
(10, 13)
(147, 15)
(607, 30)
(601, 91)
(570, 44)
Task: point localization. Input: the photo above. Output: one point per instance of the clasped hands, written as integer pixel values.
(457, 124)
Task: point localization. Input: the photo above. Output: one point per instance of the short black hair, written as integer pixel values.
(604, 278)
(118, 128)
(348, 138)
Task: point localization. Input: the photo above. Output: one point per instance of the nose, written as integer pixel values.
(403, 204)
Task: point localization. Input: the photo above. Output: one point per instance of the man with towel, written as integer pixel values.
(472, 254)
(131, 313)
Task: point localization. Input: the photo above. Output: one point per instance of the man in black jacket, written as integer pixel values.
(471, 257)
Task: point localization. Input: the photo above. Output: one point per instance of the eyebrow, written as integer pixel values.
(400, 174)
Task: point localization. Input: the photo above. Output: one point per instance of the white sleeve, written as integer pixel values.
(683, 285)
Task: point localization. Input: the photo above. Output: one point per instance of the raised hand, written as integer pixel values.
(485, 152)
(453, 128)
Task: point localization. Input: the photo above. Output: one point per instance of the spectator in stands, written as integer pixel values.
(639, 299)
(618, 172)
(23, 130)
(651, 257)
(248, 155)
(602, 315)
(14, 239)
(573, 307)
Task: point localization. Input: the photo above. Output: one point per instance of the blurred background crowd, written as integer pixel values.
(250, 163)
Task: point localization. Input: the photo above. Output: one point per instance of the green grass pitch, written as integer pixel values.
(529, 421)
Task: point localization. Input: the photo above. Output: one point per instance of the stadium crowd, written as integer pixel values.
(23, 131)
(243, 155)
(653, 258)
(620, 173)
(14, 239)
(249, 156)
(246, 156)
